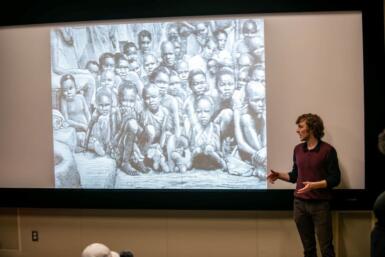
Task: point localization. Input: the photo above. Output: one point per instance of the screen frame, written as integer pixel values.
(40, 12)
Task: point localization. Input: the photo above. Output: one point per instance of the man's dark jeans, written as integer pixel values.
(314, 217)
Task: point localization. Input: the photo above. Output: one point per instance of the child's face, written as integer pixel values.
(221, 41)
(244, 61)
(127, 99)
(212, 66)
(177, 49)
(104, 105)
(258, 75)
(144, 44)
(149, 64)
(134, 66)
(131, 51)
(107, 79)
(162, 81)
(122, 69)
(93, 69)
(182, 70)
(226, 86)
(209, 49)
(256, 99)
(204, 112)
(172, 34)
(243, 78)
(152, 99)
(201, 30)
(175, 85)
(199, 85)
(108, 64)
(168, 54)
(69, 90)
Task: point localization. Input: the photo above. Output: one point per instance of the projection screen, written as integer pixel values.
(178, 103)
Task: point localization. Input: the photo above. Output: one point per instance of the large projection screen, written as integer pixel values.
(310, 62)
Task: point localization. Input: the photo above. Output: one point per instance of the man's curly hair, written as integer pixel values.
(314, 123)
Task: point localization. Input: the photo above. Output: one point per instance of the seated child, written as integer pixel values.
(108, 82)
(205, 137)
(250, 126)
(181, 155)
(103, 124)
(128, 151)
(161, 78)
(156, 126)
(199, 87)
(74, 108)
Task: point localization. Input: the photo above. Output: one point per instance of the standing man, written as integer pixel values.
(316, 172)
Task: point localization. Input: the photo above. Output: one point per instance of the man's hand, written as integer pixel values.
(272, 176)
(307, 187)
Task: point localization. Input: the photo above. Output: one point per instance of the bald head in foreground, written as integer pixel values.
(96, 250)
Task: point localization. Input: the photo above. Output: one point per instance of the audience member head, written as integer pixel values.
(96, 250)
(379, 209)
(126, 254)
(114, 254)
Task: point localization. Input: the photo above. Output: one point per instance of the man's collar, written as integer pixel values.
(316, 148)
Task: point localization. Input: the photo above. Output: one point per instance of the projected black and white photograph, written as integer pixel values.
(170, 105)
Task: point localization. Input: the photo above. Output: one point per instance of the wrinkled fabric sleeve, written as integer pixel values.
(333, 173)
(293, 174)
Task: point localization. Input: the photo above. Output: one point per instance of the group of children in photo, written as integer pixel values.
(193, 100)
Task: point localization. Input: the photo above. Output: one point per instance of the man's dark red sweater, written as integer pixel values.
(320, 163)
